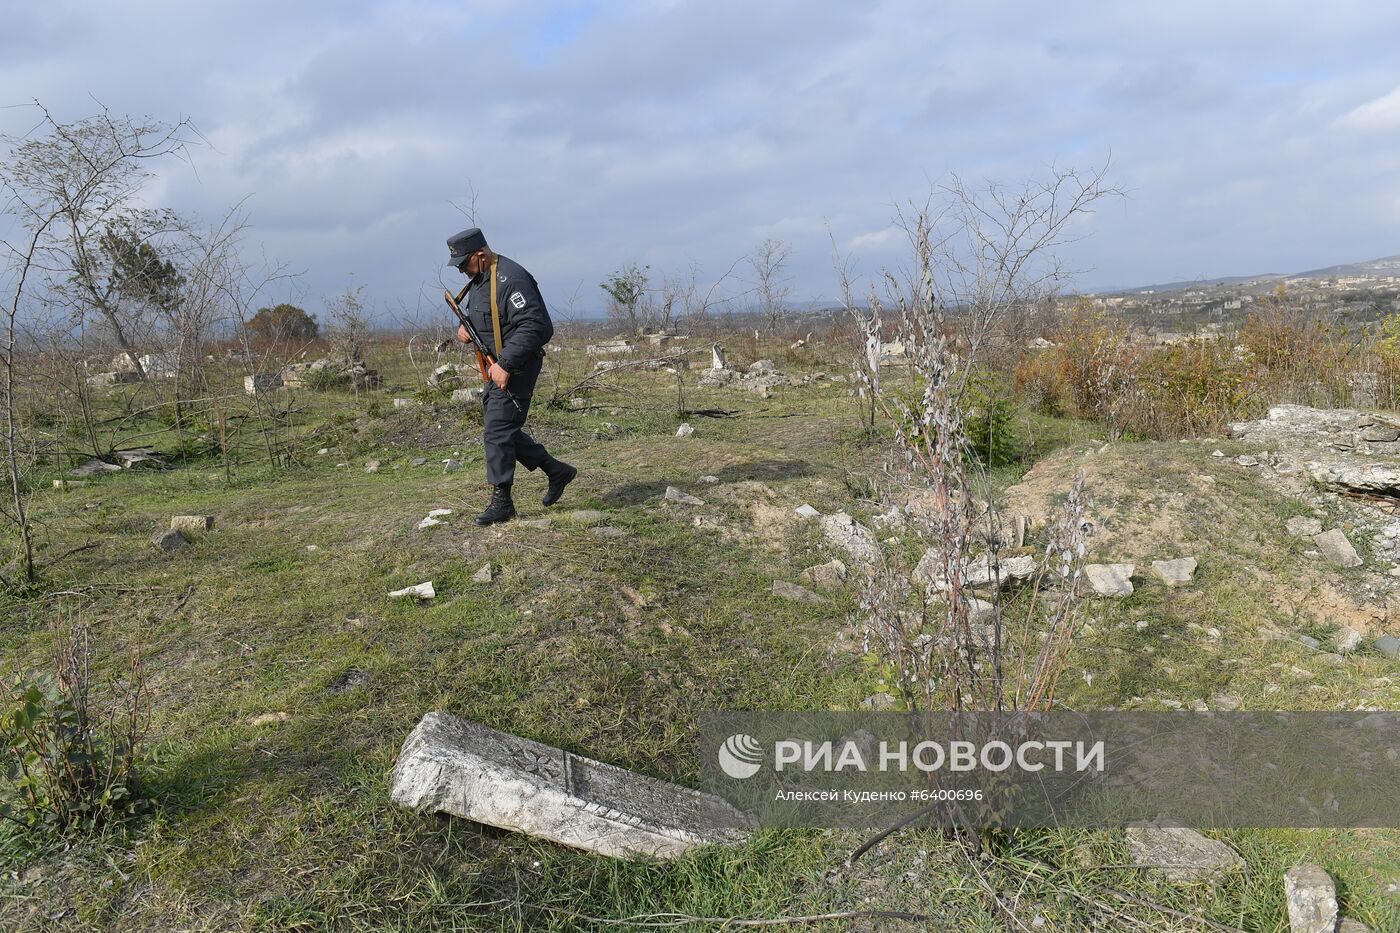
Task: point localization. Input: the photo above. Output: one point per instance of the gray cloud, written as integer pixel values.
(1253, 136)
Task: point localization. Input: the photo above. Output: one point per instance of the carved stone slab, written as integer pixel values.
(451, 765)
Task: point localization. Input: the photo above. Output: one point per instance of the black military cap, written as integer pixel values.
(464, 244)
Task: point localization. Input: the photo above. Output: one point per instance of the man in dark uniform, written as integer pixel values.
(517, 333)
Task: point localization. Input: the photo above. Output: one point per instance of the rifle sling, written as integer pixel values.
(495, 311)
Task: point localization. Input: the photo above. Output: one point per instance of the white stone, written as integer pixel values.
(192, 522)
(451, 466)
(1312, 900)
(709, 480)
(404, 403)
(94, 468)
(261, 382)
(826, 576)
(1177, 572)
(716, 356)
(484, 575)
(806, 511)
(418, 591)
(1347, 639)
(429, 522)
(467, 396)
(1181, 854)
(450, 765)
(675, 495)
(684, 430)
(439, 513)
(1337, 549)
(1110, 579)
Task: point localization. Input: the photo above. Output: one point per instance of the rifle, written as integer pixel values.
(485, 359)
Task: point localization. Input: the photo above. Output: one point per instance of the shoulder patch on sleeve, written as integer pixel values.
(517, 300)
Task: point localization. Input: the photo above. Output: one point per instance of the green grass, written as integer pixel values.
(289, 826)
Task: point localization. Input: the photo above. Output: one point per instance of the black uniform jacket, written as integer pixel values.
(525, 323)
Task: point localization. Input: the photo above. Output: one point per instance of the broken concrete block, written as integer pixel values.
(1312, 900)
(684, 430)
(1181, 854)
(806, 511)
(451, 765)
(419, 591)
(192, 522)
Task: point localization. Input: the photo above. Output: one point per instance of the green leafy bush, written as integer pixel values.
(69, 762)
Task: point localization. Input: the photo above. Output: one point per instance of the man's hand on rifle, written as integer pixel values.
(498, 375)
(462, 334)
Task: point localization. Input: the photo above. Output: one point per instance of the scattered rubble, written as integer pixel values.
(852, 537)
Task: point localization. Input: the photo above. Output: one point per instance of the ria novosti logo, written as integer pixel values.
(740, 756)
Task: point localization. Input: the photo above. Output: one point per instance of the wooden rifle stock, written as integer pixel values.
(484, 359)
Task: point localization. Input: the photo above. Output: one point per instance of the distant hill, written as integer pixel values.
(1388, 265)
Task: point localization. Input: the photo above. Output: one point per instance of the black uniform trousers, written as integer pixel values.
(506, 441)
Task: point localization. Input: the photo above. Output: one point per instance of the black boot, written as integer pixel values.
(560, 475)
(501, 508)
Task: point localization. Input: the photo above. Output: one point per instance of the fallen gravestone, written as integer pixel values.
(192, 522)
(451, 765)
(1181, 854)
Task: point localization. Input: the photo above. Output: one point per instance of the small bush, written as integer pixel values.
(70, 761)
(987, 422)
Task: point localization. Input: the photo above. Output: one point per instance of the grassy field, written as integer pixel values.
(608, 647)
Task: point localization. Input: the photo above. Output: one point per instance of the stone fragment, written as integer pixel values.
(536, 522)
(879, 702)
(1307, 641)
(1177, 572)
(1110, 579)
(608, 531)
(192, 522)
(1245, 460)
(827, 576)
(418, 591)
(806, 511)
(1303, 526)
(68, 483)
(1181, 854)
(1388, 645)
(267, 719)
(484, 575)
(467, 396)
(94, 468)
(372, 466)
(439, 513)
(1353, 926)
(675, 495)
(709, 480)
(1337, 549)
(1312, 900)
(170, 541)
(795, 593)
(454, 766)
(716, 356)
(430, 522)
(451, 466)
(258, 383)
(588, 516)
(418, 461)
(684, 430)
(140, 458)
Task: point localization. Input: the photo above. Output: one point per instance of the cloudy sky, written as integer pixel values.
(1250, 136)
